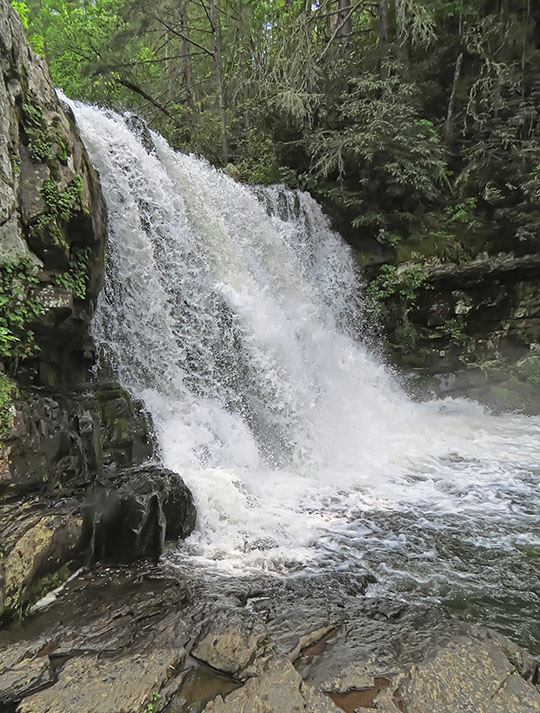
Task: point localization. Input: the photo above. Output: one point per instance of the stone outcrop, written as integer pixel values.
(129, 514)
(76, 486)
(52, 214)
(62, 440)
(469, 327)
(153, 639)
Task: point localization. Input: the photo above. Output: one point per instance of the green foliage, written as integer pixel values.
(62, 150)
(40, 148)
(62, 203)
(70, 34)
(15, 164)
(21, 8)
(384, 151)
(33, 114)
(75, 278)
(386, 237)
(8, 392)
(61, 206)
(260, 163)
(403, 282)
(454, 329)
(431, 128)
(19, 307)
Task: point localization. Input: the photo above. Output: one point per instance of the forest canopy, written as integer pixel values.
(416, 119)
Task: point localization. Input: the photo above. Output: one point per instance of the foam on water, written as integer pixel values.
(235, 314)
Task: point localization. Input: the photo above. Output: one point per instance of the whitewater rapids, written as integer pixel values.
(236, 315)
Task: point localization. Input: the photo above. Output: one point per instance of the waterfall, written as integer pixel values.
(236, 315)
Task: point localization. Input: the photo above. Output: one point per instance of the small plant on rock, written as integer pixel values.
(19, 307)
(8, 391)
(75, 278)
(60, 208)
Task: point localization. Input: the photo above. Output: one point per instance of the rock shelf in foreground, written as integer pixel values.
(148, 638)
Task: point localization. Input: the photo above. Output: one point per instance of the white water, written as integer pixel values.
(232, 315)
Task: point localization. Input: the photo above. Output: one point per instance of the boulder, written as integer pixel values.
(130, 513)
(66, 439)
(76, 487)
(38, 540)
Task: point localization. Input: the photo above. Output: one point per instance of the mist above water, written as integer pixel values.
(236, 315)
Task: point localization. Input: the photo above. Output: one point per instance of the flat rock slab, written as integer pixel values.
(118, 640)
(106, 685)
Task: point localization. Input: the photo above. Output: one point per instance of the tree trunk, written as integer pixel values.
(187, 73)
(448, 129)
(383, 38)
(215, 21)
(402, 38)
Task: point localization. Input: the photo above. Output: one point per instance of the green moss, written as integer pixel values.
(42, 586)
(15, 164)
(8, 392)
(62, 151)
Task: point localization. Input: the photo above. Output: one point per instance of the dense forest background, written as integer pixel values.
(417, 120)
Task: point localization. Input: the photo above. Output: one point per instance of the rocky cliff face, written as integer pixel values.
(75, 481)
(52, 222)
(465, 319)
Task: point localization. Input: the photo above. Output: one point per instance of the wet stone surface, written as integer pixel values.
(121, 639)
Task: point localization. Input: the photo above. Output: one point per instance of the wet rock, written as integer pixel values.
(42, 157)
(129, 514)
(108, 685)
(470, 314)
(279, 687)
(95, 637)
(73, 489)
(471, 673)
(23, 678)
(231, 641)
(140, 129)
(128, 637)
(198, 685)
(122, 519)
(38, 538)
(67, 439)
(57, 304)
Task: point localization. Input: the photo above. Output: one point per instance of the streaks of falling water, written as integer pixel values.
(235, 315)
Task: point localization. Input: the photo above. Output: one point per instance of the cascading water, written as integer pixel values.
(230, 312)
